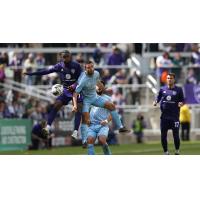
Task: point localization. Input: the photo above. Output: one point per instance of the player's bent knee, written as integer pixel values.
(102, 140)
(58, 105)
(109, 106)
(90, 140)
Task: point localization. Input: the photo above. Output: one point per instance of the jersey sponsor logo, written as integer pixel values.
(168, 98)
(196, 90)
(72, 71)
(68, 76)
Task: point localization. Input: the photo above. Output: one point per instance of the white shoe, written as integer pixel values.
(75, 134)
(166, 153)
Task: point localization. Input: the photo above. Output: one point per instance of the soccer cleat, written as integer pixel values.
(177, 152)
(124, 130)
(166, 153)
(75, 134)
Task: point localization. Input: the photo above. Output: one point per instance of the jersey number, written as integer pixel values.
(176, 124)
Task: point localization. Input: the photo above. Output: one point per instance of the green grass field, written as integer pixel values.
(153, 148)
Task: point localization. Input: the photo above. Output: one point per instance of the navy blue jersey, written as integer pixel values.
(37, 130)
(169, 99)
(68, 73)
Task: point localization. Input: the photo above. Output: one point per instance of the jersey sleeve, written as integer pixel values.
(159, 96)
(50, 70)
(80, 85)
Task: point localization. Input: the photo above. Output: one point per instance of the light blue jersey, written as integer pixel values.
(87, 85)
(98, 114)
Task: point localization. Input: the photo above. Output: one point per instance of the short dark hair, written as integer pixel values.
(171, 74)
(66, 52)
(89, 62)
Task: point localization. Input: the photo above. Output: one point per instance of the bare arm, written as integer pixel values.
(75, 106)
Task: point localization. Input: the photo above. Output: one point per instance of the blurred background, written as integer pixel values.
(135, 72)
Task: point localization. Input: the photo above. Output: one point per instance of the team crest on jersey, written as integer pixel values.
(72, 71)
(164, 92)
(196, 90)
(68, 76)
(174, 92)
(168, 98)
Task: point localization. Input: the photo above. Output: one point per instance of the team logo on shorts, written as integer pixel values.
(168, 98)
(68, 76)
(196, 91)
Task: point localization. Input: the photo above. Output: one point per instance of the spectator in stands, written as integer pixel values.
(121, 77)
(196, 56)
(178, 63)
(185, 120)
(29, 65)
(138, 127)
(80, 60)
(4, 59)
(39, 63)
(105, 75)
(4, 112)
(2, 73)
(163, 64)
(135, 79)
(37, 114)
(97, 56)
(16, 62)
(116, 58)
(191, 79)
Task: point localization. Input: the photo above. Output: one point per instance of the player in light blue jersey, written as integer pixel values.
(99, 118)
(87, 87)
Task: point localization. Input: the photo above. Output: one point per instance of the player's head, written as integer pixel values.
(170, 79)
(89, 68)
(66, 56)
(100, 90)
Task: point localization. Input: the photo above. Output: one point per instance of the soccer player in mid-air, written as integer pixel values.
(69, 72)
(87, 87)
(99, 117)
(171, 99)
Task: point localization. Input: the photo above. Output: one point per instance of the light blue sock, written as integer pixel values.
(91, 149)
(106, 149)
(84, 128)
(116, 119)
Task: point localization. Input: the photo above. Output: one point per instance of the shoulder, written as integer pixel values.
(106, 97)
(96, 73)
(178, 88)
(58, 65)
(75, 64)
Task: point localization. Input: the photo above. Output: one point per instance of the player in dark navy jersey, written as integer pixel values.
(69, 72)
(171, 99)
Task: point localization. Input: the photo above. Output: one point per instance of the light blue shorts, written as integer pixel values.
(97, 101)
(97, 130)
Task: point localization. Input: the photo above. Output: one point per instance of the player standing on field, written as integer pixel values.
(171, 99)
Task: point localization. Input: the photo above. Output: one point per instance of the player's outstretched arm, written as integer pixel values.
(41, 72)
(75, 106)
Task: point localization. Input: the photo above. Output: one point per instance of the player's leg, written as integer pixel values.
(101, 102)
(102, 137)
(188, 131)
(164, 130)
(175, 130)
(91, 139)
(77, 120)
(182, 132)
(63, 99)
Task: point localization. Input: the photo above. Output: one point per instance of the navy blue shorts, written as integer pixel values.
(166, 124)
